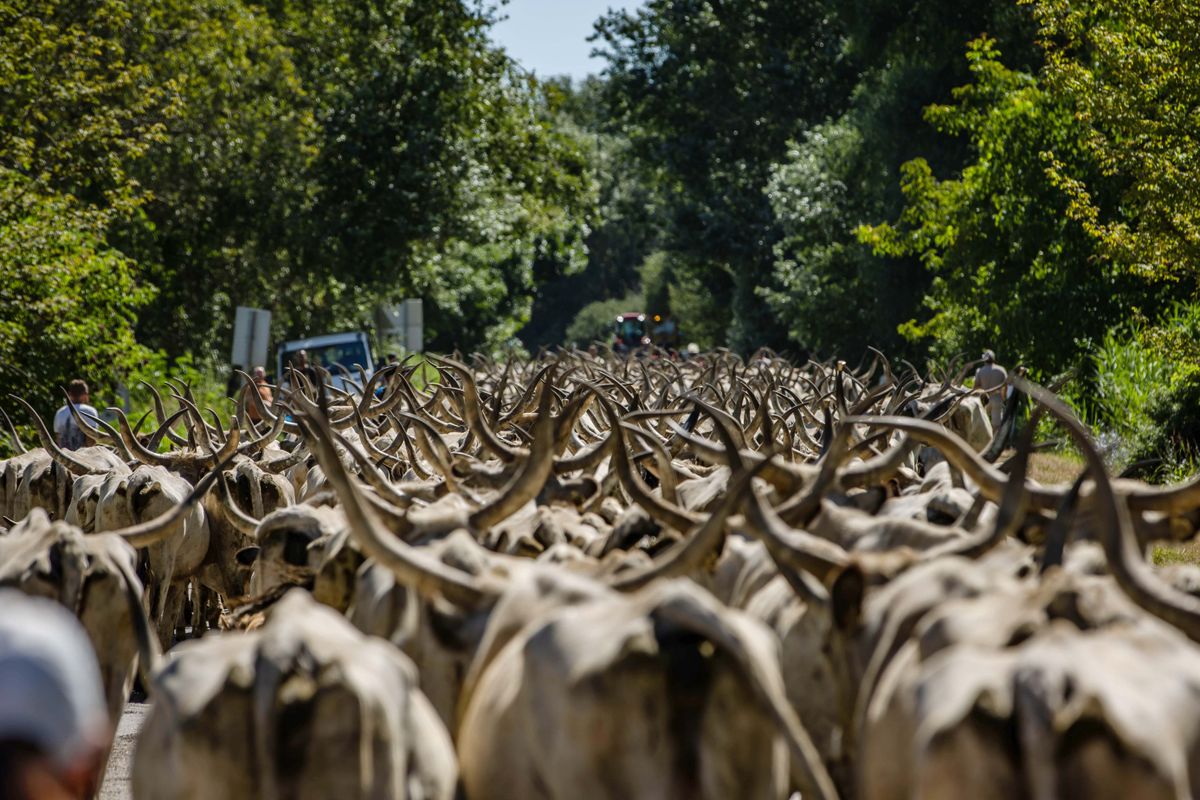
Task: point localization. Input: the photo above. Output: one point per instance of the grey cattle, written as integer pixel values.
(305, 707)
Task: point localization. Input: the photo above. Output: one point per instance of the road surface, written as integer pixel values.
(120, 763)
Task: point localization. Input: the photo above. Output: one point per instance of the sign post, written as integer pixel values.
(414, 326)
(251, 332)
(405, 322)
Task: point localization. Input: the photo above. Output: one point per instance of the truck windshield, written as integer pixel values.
(631, 330)
(333, 357)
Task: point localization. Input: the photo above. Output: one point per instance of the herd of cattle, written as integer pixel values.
(576, 578)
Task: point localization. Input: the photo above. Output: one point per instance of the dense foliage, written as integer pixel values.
(1005, 254)
(709, 95)
(929, 177)
(68, 298)
(315, 159)
(1129, 69)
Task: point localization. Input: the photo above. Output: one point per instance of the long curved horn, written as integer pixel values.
(1175, 500)
(1012, 506)
(229, 448)
(472, 410)
(526, 400)
(137, 449)
(147, 533)
(800, 510)
(797, 549)
(376, 481)
(156, 438)
(281, 465)
(880, 468)
(1125, 560)
(690, 554)
(666, 477)
(867, 402)
(430, 443)
(784, 477)
(570, 416)
(366, 437)
(161, 415)
(392, 396)
(18, 445)
(221, 437)
(198, 423)
(72, 464)
(672, 516)
(991, 481)
(137, 426)
(254, 446)
(411, 567)
(585, 459)
(534, 472)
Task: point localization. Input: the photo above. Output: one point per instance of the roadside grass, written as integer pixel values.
(1062, 467)
(1055, 467)
(1167, 554)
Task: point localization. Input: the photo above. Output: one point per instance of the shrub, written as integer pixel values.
(594, 322)
(1147, 393)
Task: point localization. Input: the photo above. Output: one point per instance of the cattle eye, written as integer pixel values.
(247, 556)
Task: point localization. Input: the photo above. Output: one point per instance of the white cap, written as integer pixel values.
(50, 691)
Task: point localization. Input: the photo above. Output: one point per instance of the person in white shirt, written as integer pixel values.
(991, 378)
(66, 431)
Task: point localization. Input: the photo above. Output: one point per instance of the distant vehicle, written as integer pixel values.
(633, 332)
(665, 332)
(630, 332)
(336, 352)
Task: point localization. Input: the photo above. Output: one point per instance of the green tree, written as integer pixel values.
(1128, 67)
(74, 108)
(709, 94)
(75, 112)
(834, 295)
(624, 228)
(67, 300)
(332, 155)
(438, 174)
(1012, 270)
(230, 184)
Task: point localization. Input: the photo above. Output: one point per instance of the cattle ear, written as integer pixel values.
(247, 556)
(846, 596)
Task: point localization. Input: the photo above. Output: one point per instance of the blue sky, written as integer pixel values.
(549, 37)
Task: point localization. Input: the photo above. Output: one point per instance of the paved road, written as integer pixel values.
(116, 780)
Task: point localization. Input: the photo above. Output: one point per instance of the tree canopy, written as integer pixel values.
(819, 176)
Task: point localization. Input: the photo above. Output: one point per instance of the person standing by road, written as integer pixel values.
(264, 393)
(991, 378)
(66, 431)
(300, 362)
